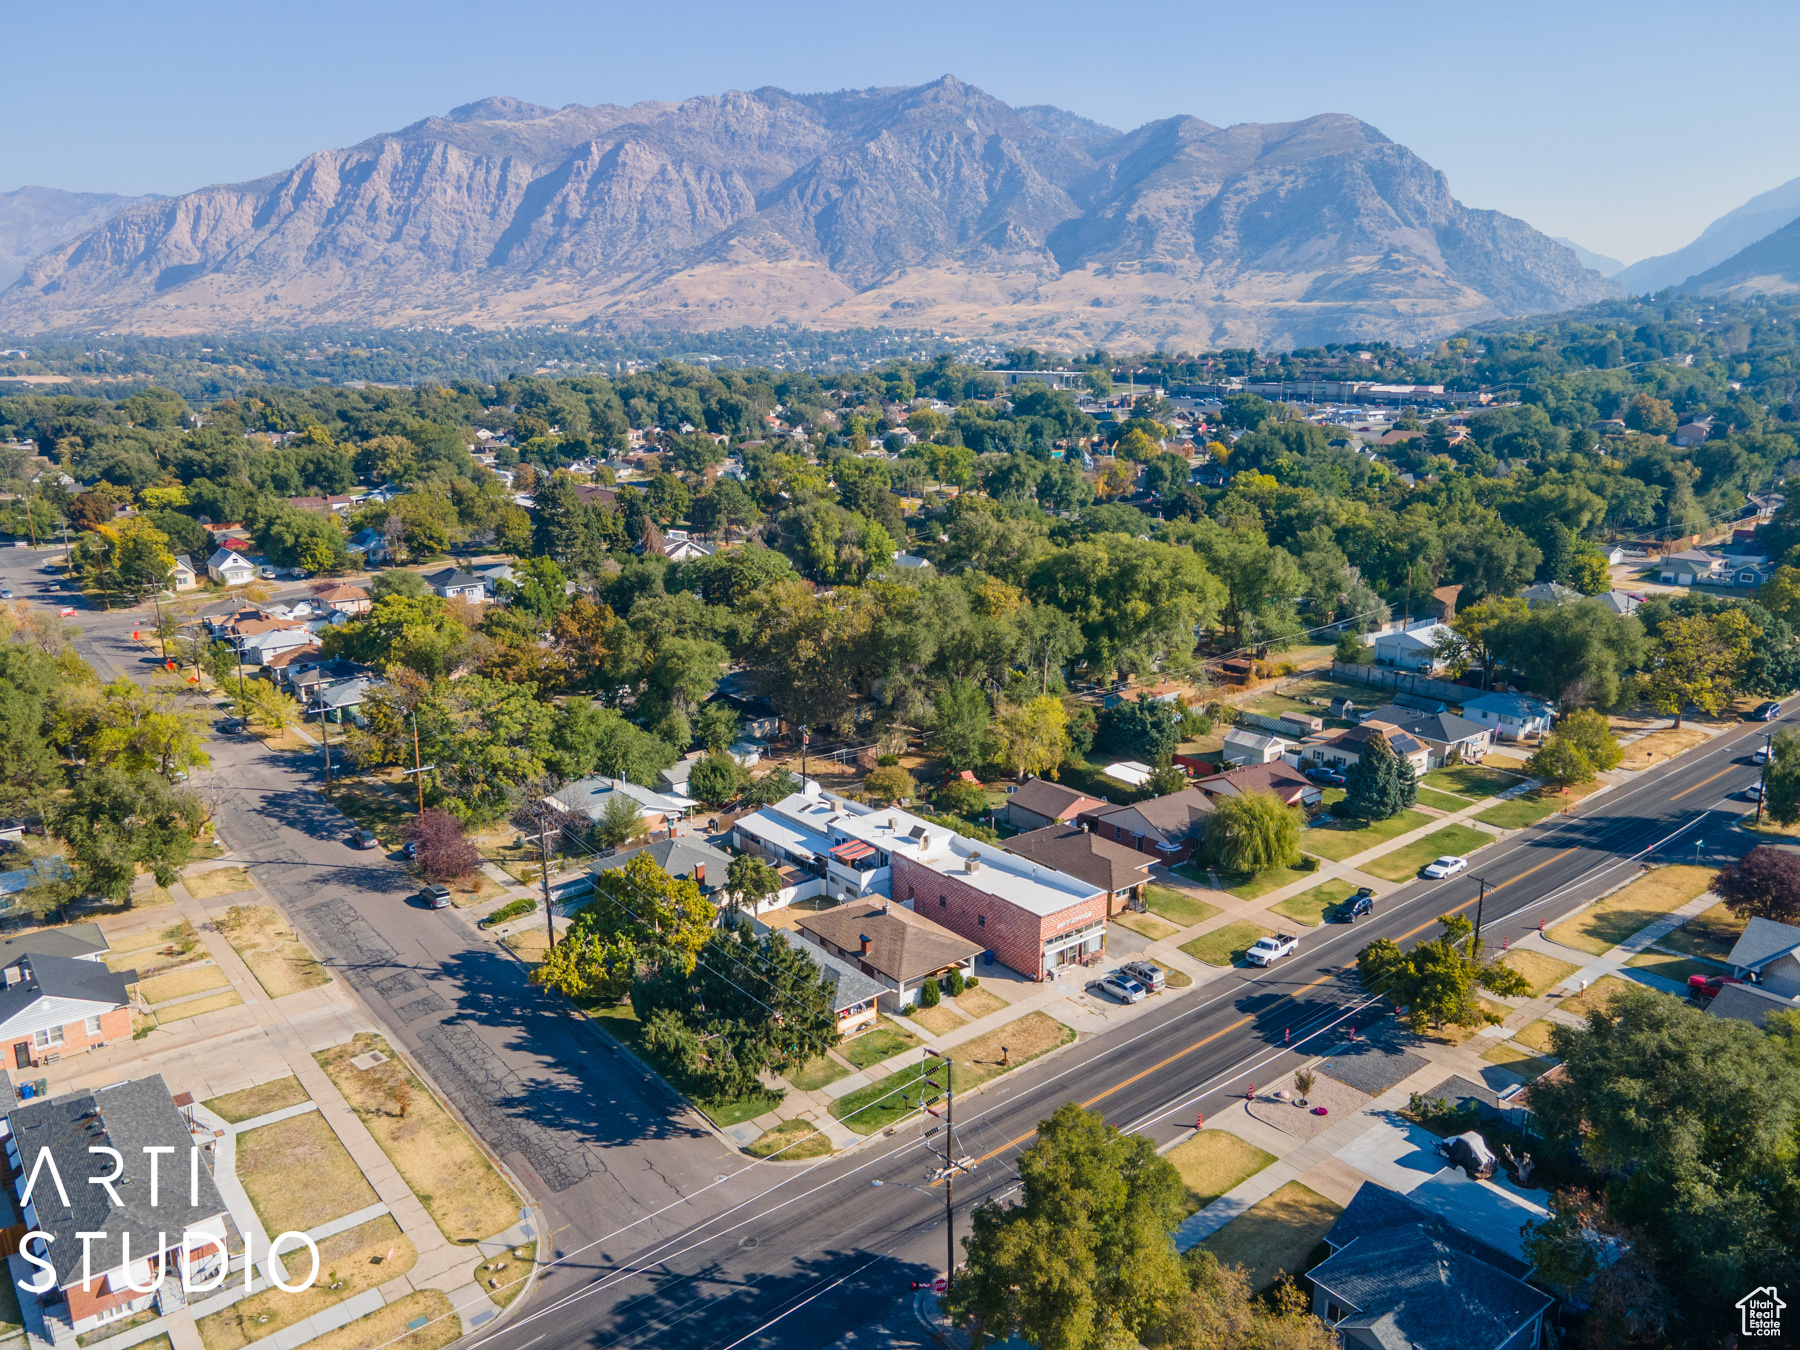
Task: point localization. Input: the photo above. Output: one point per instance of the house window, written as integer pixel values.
(981, 921)
(1333, 1313)
(943, 902)
(92, 1027)
(54, 1036)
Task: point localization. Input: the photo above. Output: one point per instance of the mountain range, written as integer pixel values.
(932, 207)
(1727, 236)
(34, 220)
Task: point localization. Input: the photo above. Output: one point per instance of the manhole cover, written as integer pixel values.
(369, 1060)
(749, 1242)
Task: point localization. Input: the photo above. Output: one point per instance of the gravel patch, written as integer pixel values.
(1371, 1067)
(1339, 1100)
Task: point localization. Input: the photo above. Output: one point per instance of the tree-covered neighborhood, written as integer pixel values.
(836, 741)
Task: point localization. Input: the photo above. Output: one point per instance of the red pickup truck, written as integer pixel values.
(1705, 988)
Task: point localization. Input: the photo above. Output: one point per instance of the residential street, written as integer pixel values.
(666, 1237)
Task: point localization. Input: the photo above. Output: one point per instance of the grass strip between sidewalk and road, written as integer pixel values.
(896, 1096)
(1404, 863)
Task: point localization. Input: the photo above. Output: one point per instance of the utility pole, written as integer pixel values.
(1763, 781)
(949, 1174)
(805, 738)
(1475, 945)
(325, 732)
(544, 875)
(418, 769)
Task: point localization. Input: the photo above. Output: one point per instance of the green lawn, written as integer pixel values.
(1341, 839)
(1470, 780)
(1518, 813)
(1152, 928)
(1712, 933)
(622, 1023)
(878, 1043)
(1404, 863)
(1249, 887)
(1275, 1235)
(1182, 910)
(1194, 873)
(1672, 967)
(1311, 907)
(1444, 801)
(884, 1101)
(1224, 946)
(1515, 1060)
(373, 809)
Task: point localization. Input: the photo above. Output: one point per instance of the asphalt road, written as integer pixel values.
(664, 1237)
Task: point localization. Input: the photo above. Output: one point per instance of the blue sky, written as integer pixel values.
(1626, 127)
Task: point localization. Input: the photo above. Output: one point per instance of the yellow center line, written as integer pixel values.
(1242, 1021)
(1703, 782)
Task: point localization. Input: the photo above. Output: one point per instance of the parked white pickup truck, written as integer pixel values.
(1268, 950)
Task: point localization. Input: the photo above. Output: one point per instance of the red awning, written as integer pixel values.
(853, 850)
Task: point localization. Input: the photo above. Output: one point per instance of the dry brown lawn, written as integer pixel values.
(298, 1175)
(1603, 926)
(504, 1277)
(1662, 745)
(1515, 1060)
(1153, 928)
(350, 1262)
(474, 889)
(1544, 972)
(219, 881)
(791, 1141)
(124, 944)
(451, 1176)
(1214, 1162)
(939, 1021)
(1275, 1235)
(1026, 1038)
(1536, 1034)
(530, 945)
(180, 1012)
(1711, 934)
(977, 1002)
(387, 1327)
(272, 950)
(194, 979)
(1595, 996)
(248, 1104)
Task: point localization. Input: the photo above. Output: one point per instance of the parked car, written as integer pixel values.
(1753, 792)
(411, 850)
(1358, 905)
(1705, 988)
(231, 725)
(436, 896)
(1327, 777)
(1766, 712)
(5, 593)
(1447, 866)
(1122, 987)
(364, 839)
(1268, 950)
(1761, 756)
(1147, 973)
(66, 612)
(266, 573)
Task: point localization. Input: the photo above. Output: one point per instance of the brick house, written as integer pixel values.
(55, 1006)
(131, 1242)
(1119, 871)
(1287, 783)
(1168, 828)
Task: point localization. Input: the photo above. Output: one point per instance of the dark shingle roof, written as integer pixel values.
(1444, 727)
(450, 576)
(1432, 1294)
(1749, 1003)
(60, 977)
(1280, 778)
(1173, 818)
(76, 939)
(1086, 856)
(1376, 1209)
(126, 1117)
(677, 857)
(849, 985)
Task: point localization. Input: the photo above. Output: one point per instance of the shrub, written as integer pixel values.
(886, 761)
(962, 797)
(890, 783)
(928, 994)
(512, 909)
(954, 982)
(443, 853)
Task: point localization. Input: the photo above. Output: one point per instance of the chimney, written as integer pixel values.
(700, 874)
(971, 863)
(866, 944)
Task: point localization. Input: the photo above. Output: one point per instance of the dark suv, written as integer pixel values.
(1327, 777)
(1358, 906)
(1766, 712)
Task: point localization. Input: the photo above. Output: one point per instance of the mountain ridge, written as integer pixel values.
(1730, 234)
(933, 205)
(34, 220)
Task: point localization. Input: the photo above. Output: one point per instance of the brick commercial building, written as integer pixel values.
(1031, 916)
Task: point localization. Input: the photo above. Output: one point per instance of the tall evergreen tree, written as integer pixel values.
(1374, 790)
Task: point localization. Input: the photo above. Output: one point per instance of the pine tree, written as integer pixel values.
(1374, 790)
(1407, 780)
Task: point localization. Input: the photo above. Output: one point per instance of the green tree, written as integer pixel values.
(890, 783)
(961, 725)
(272, 709)
(1692, 1119)
(1374, 789)
(1141, 728)
(1253, 832)
(665, 918)
(751, 881)
(620, 821)
(140, 728)
(485, 739)
(1084, 1259)
(117, 821)
(589, 739)
(402, 630)
(1696, 661)
(1781, 779)
(589, 968)
(716, 725)
(1032, 737)
(1166, 778)
(1573, 652)
(716, 779)
(1581, 747)
(1435, 982)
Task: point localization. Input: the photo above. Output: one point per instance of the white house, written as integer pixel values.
(1254, 747)
(452, 583)
(232, 569)
(1512, 716)
(1412, 649)
(370, 545)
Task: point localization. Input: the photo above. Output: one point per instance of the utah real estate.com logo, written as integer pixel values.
(1761, 1310)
